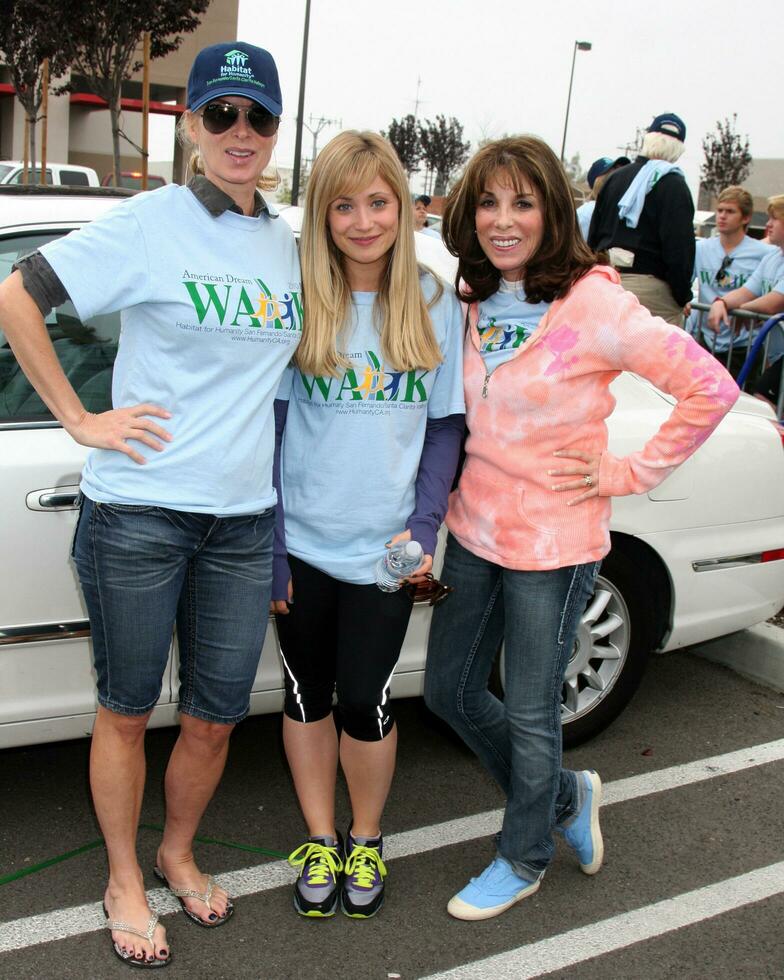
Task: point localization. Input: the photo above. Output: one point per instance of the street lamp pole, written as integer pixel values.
(578, 46)
(300, 108)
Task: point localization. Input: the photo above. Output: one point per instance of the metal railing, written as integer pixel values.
(748, 326)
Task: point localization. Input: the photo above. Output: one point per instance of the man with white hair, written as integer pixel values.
(644, 219)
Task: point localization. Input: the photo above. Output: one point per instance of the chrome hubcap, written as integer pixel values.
(599, 654)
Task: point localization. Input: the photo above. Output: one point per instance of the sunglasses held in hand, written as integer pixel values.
(219, 117)
(431, 591)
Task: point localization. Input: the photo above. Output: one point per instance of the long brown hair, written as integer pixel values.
(562, 256)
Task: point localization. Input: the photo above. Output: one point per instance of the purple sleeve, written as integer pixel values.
(280, 565)
(443, 439)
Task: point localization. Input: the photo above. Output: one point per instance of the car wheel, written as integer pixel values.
(614, 639)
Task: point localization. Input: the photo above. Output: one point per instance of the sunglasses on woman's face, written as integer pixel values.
(219, 117)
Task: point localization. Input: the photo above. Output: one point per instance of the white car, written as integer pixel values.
(62, 174)
(699, 557)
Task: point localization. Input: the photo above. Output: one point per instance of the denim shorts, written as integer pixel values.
(145, 570)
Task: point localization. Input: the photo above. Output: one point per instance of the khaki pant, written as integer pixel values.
(655, 295)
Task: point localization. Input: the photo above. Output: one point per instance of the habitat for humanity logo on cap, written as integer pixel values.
(235, 59)
(238, 69)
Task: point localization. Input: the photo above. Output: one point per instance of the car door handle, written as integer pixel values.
(55, 498)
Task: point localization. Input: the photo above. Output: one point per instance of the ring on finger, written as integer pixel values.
(588, 480)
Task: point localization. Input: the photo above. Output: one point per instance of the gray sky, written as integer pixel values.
(503, 66)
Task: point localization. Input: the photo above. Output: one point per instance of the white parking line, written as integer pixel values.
(75, 921)
(578, 945)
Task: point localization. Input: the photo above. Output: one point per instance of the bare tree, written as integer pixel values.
(403, 134)
(103, 45)
(29, 34)
(443, 149)
(574, 169)
(727, 157)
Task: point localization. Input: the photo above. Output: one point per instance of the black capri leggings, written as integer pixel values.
(344, 637)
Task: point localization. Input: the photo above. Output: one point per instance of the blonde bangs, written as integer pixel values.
(346, 165)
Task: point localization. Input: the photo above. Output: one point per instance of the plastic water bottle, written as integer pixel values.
(396, 564)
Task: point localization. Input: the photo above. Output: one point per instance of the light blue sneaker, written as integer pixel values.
(496, 889)
(584, 835)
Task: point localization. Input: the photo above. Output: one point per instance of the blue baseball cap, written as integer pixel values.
(669, 124)
(234, 68)
(602, 165)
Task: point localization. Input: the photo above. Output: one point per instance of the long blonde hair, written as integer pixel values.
(266, 182)
(346, 165)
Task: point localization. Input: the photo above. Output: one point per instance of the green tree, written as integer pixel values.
(102, 38)
(29, 34)
(443, 149)
(403, 134)
(727, 157)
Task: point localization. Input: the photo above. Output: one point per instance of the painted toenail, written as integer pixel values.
(213, 916)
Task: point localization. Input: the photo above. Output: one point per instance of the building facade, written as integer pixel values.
(78, 126)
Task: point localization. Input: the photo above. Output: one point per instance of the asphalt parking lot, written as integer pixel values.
(693, 883)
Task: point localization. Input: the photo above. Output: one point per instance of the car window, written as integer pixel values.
(33, 176)
(134, 181)
(86, 350)
(5, 170)
(74, 178)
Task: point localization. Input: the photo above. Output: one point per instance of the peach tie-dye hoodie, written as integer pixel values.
(554, 394)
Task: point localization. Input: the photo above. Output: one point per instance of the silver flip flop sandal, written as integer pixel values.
(129, 958)
(205, 896)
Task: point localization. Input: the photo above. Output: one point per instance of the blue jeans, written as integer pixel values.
(518, 740)
(144, 570)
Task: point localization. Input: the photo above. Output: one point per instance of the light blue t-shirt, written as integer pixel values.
(709, 258)
(352, 444)
(768, 277)
(584, 215)
(506, 321)
(211, 315)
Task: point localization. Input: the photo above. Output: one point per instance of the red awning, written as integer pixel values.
(96, 102)
(129, 105)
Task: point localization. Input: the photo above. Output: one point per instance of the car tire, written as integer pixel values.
(614, 639)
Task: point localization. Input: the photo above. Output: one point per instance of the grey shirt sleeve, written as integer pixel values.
(41, 282)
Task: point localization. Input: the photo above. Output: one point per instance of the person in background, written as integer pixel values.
(644, 220)
(372, 417)
(165, 535)
(763, 291)
(723, 264)
(768, 385)
(421, 204)
(597, 174)
(529, 521)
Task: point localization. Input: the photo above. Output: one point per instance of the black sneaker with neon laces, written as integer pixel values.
(362, 893)
(320, 860)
